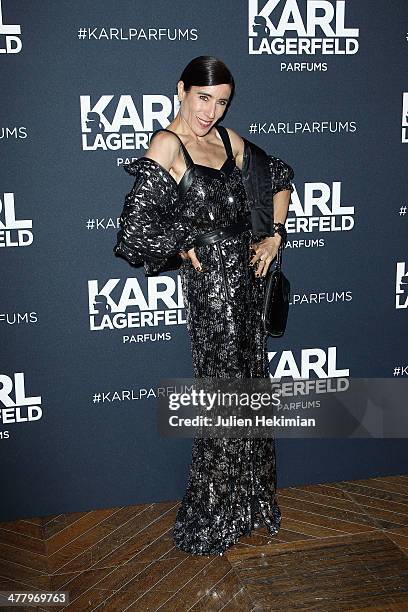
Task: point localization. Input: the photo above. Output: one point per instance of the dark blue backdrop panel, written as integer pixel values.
(86, 338)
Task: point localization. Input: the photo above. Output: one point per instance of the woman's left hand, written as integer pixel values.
(265, 253)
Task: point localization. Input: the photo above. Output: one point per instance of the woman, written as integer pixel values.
(189, 184)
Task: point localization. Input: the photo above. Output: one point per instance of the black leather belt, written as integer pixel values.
(223, 232)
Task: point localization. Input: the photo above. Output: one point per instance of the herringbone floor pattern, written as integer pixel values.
(342, 546)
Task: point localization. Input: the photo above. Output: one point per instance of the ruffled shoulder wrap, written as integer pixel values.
(152, 232)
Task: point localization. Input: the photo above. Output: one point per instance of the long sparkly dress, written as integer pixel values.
(232, 481)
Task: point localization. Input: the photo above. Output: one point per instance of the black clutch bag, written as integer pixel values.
(276, 302)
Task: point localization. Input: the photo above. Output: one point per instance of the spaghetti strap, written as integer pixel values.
(225, 139)
(187, 158)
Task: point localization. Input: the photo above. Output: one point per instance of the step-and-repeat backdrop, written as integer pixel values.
(85, 338)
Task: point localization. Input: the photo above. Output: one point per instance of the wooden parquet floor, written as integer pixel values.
(342, 546)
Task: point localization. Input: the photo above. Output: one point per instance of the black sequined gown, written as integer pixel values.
(232, 482)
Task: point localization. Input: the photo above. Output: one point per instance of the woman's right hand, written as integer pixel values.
(190, 254)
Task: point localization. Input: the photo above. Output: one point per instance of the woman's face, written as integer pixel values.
(203, 106)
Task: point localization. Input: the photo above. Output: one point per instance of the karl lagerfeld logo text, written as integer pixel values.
(13, 232)
(118, 305)
(279, 27)
(404, 120)
(321, 211)
(110, 123)
(15, 406)
(401, 285)
(9, 37)
(313, 362)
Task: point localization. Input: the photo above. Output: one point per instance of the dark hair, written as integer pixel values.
(207, 70)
